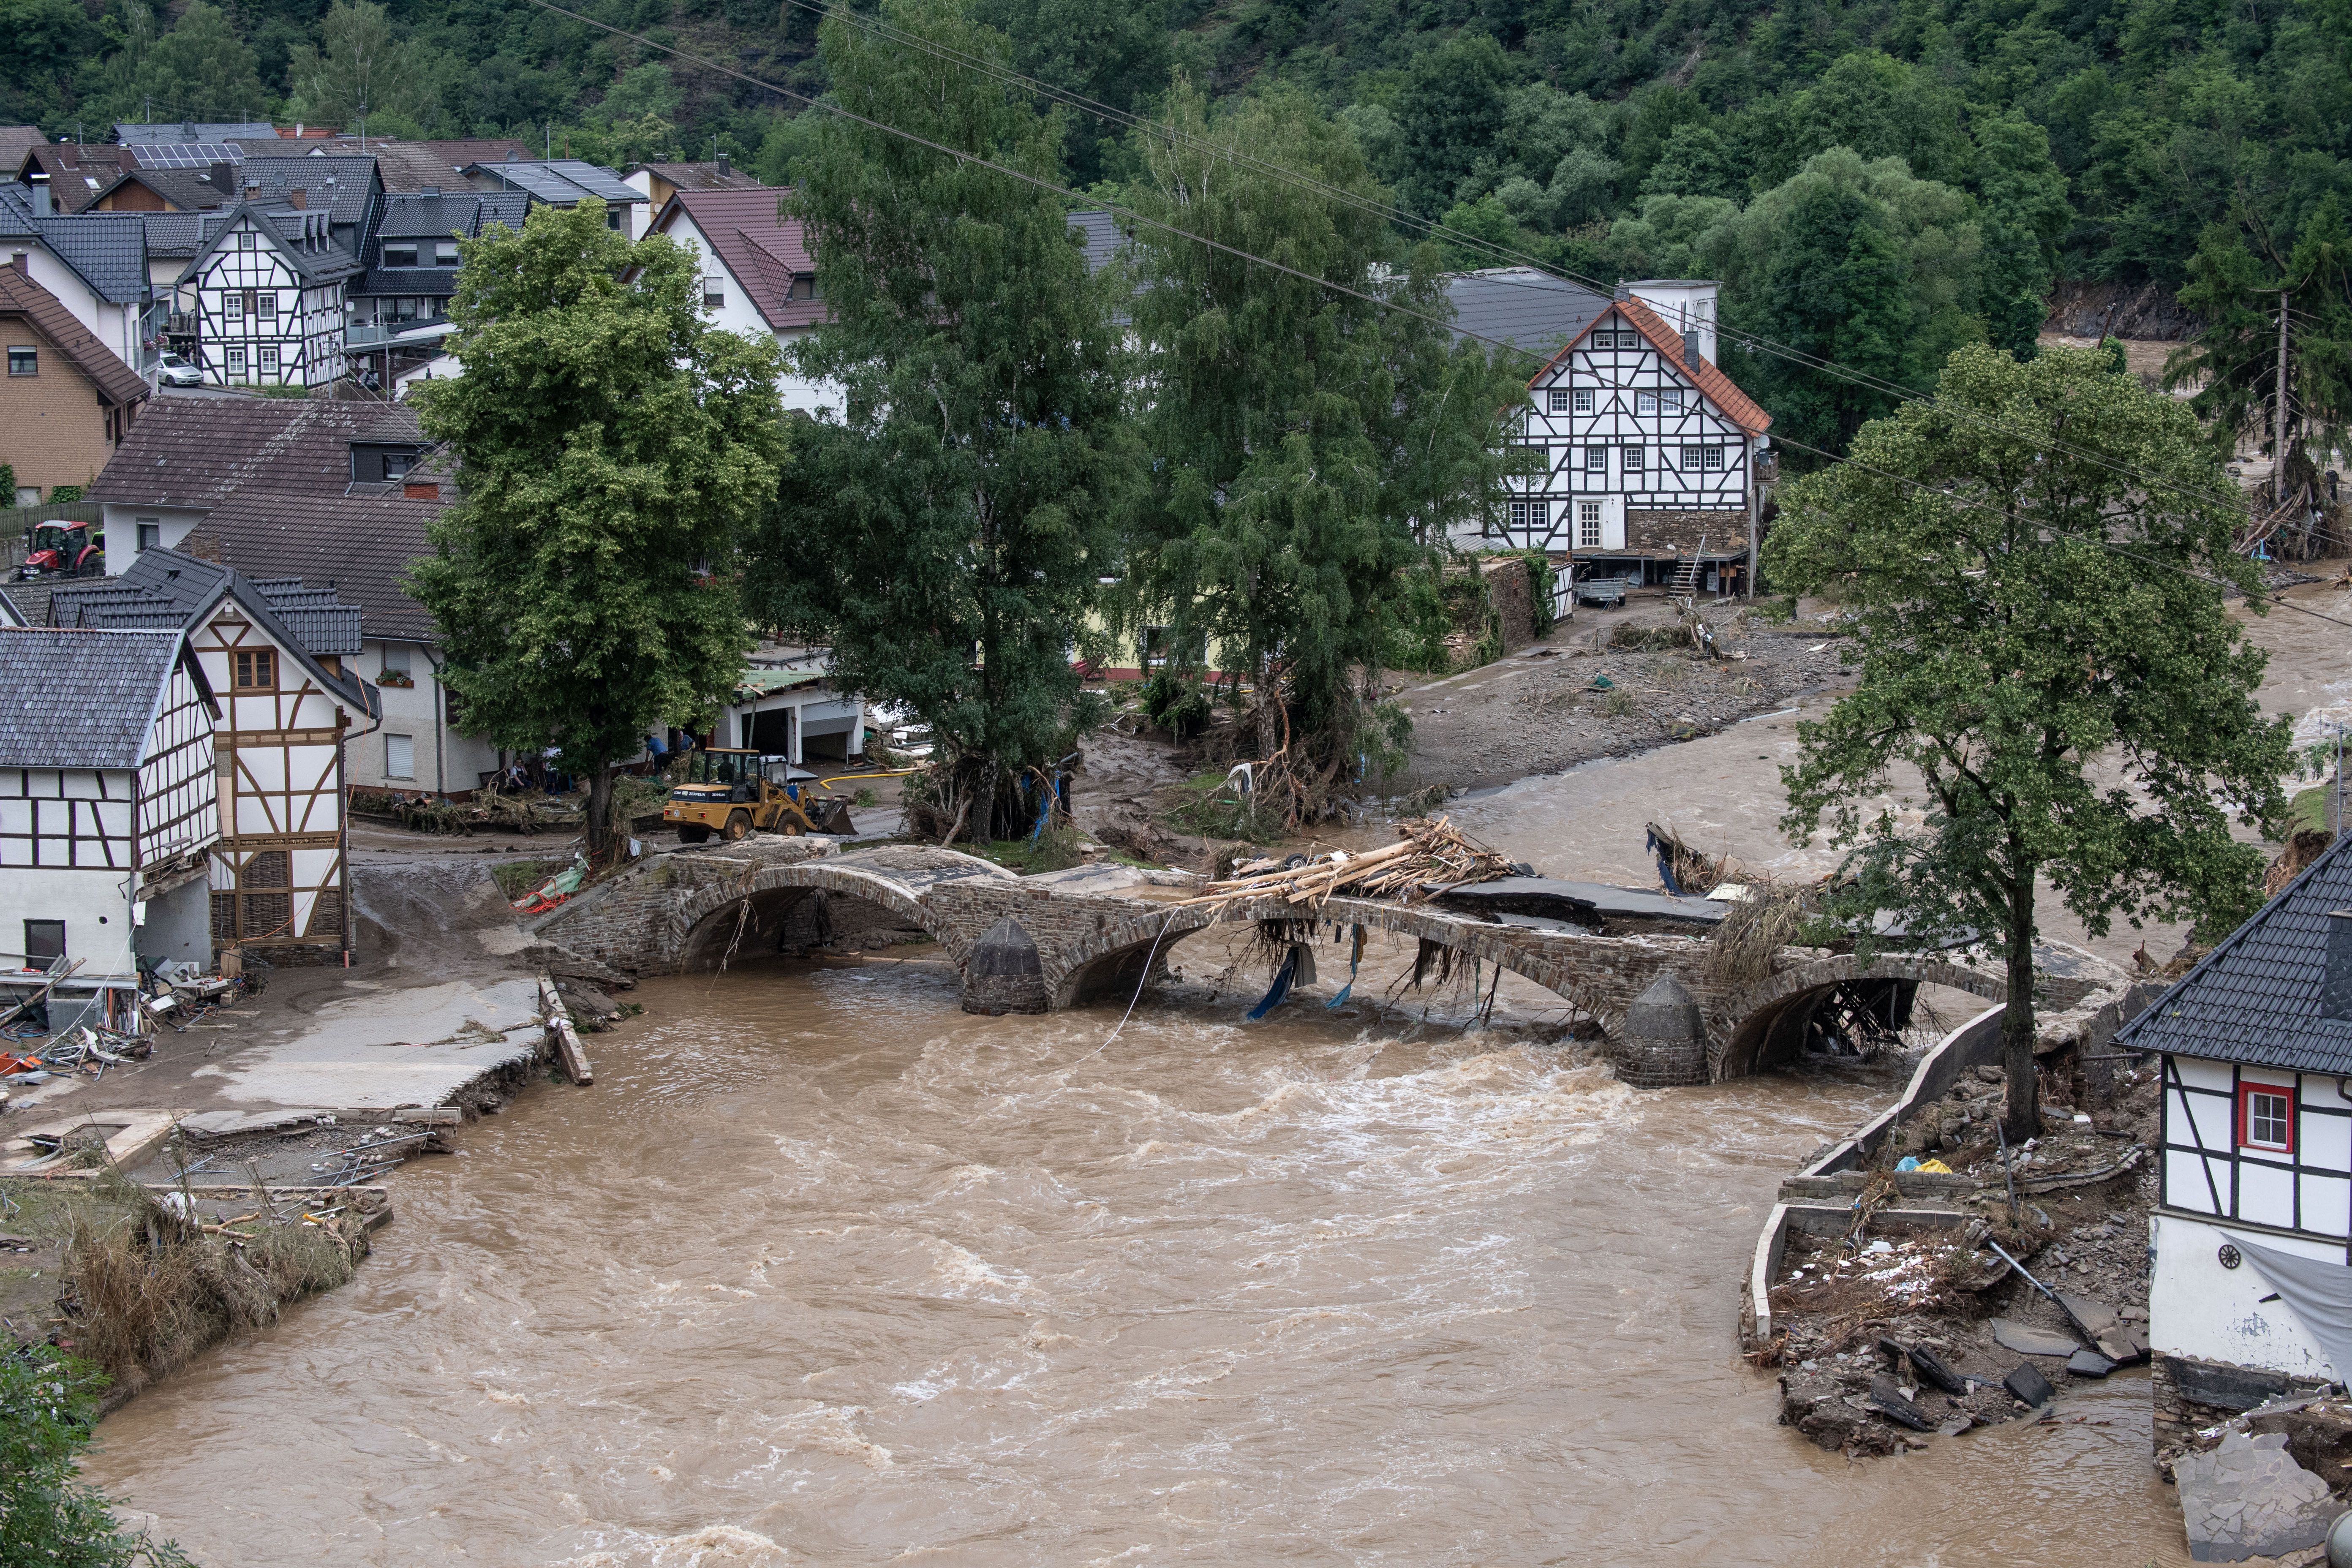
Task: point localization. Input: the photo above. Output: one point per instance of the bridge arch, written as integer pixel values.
(746, 915)
(1765, 1025)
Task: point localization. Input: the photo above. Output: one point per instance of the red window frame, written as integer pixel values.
(2246, 1092)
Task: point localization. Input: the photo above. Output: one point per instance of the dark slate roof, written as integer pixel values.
(115, 382)
(175, 234)
(355, 548)
(342, 186)
(106, 251)
(1103, 240)
(2256, 998)
(172, 587)
(131, 134)
(81, 698)
(419, 217)
(560, 181)
(188, 190)
(1523, 307)
(197, 451)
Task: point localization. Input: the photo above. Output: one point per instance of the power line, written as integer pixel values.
(1376, 301)
(1754, 342)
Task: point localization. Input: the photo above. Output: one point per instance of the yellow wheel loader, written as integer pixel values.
(735, 794)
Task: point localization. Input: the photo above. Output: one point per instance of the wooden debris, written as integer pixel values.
(562, 1036)
(1429, 857)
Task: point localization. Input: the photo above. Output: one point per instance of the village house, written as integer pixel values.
(188, 455)
(659, 181)
(66, 403)
(2252, 1230)
(1650, 457)
(95, 264)
(107, 812)
(400, 306)
(757, 277)
(267, 292)
(560, 182)
(278, 657)
(790, 708)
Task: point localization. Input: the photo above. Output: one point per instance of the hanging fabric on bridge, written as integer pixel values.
(1355, 957)
(1280, 988)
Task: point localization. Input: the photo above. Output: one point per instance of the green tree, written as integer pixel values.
(1454, 104)
(612, 448)
(48, 1408)
(2025, 212)
(1696, 162)
(1310, 450)
(2042, 643)
(946, 534)
(365, 75)
(200, 70)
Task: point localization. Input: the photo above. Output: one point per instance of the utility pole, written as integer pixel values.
(2278, 413)
(1755, 498)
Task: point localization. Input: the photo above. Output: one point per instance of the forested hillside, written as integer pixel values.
(1875, 182)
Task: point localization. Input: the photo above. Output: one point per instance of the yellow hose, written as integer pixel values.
(841, 778)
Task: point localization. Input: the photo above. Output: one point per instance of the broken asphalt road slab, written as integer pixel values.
(2028, 1384)
(2027, 1340)
(2089, 1363)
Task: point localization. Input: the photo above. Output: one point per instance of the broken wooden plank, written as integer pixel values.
(562, 1036)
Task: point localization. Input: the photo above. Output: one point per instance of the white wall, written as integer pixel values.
(120, 522)
(2198, 1308)
(411, 711)
(95, 904)
(178, 927)
(116, 326)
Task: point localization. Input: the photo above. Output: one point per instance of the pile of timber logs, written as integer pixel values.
(1429, 857)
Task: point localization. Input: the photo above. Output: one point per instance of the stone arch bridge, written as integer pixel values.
(1043, 943)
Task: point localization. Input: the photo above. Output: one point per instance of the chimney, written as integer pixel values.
(1623, 292)
(22, 261)
(253, 190)
(300, 197)
(41, 207)
(222, 179)
(723, 170)
(2335, 980)
(421, 490)
(1691, 360)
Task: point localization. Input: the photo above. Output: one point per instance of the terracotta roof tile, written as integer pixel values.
(115, 382)
(357, 546)
(1713, 385)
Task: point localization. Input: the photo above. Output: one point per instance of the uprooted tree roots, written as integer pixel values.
(145, 1290)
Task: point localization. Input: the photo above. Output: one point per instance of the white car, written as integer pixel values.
(173, 370)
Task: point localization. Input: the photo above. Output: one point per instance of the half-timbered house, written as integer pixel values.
(2254, 1209)
(274, 653)
(1651, 455)
(266, 290)
(108, 811)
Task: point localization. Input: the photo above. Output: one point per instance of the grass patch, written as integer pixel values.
(2311, 808)
(516, 878)
(1619, 705)
(1056, 849)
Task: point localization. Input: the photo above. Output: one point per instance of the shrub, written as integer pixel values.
(64, 494)
(48, 1405)
(1175, 702)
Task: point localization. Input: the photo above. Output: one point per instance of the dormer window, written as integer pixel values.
(401, 255)
(804, 286)
(445, 254)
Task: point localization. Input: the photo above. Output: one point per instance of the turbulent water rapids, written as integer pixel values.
(823, 1271)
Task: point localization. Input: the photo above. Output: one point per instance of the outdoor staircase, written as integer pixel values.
(1686, 573)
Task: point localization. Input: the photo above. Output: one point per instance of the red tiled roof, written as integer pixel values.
(116, 383)
(763, 251)
(1713, 385)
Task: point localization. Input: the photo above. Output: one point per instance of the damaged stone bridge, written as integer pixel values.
(1065, 938)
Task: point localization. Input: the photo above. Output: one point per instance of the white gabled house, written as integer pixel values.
(108, 813)
(274, 653)
(267, 294)
(2253, 1233)
(1651, 456)
(758, 277)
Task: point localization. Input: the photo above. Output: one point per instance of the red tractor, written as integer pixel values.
(62, 550)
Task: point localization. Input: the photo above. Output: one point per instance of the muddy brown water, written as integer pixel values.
(823, 1271)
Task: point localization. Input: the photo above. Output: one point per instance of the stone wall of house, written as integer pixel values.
(1683, 533)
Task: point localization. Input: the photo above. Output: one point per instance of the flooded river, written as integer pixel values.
(825, 1271)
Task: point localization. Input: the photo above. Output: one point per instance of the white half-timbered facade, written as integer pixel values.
(108, 811)
(280, 874)
(2256, 1155)
(1650, 454)
(267, 292)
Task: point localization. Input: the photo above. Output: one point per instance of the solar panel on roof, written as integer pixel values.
(188, 154)
(596, 180)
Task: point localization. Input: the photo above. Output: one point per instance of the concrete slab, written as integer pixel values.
(2027, 1340)
(131, 1137)
(359, 1053)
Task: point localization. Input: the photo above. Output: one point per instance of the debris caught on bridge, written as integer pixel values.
(1429, 857)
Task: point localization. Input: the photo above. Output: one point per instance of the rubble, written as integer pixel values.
(2248, 1498)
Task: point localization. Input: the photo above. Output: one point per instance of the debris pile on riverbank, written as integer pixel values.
(1908, 1321)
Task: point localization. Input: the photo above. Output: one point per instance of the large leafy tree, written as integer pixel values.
(945, 536)
(1309, 448)
(366, 75)
(48, 1408)
(2034, 564)
(2023, 203)
(199, 70)
(612, 448)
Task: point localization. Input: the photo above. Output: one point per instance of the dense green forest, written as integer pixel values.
(1875, 180)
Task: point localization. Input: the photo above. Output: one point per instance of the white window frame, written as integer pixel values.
(393, 745)
(1670, 400)
(2257, 1120)
(1710, 456)
(265, 305)
(265, 359)
(1596, 460)
(237, 359)
(233, 305)
(1646, 403)
(1583, 400)
(1632, 459)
